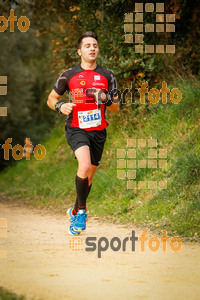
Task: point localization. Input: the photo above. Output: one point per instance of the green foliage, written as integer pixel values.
(6, 295)
(49, 47)
(186, 169)
(24, 60)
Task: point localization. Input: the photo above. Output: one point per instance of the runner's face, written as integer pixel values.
(89, 50)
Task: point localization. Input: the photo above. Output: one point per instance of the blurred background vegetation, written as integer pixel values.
(32, 61)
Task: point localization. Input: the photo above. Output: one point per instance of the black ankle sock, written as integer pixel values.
(76, 208)
(81, 191)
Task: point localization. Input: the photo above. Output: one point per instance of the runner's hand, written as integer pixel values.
(67, 108)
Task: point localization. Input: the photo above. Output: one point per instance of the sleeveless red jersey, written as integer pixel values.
(88, 113)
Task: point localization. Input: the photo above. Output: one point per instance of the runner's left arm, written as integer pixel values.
(114, 107)
(113, 93)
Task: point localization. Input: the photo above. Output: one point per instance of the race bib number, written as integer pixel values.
(89, 118)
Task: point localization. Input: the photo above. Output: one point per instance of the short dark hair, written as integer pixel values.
(86, 34)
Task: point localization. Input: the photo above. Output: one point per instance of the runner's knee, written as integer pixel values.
(84, 167)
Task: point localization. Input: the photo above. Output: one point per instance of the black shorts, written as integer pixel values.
(95, 139)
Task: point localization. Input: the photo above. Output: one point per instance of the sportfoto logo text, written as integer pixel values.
(18, 151)
(23, 22)
(153, 95)
(116, 244)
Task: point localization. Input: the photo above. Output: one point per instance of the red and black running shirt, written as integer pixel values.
(88, 114)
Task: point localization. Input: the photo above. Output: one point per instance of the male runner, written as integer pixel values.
(92, 89)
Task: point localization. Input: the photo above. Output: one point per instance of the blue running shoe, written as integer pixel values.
(80, 221)
(72, 219)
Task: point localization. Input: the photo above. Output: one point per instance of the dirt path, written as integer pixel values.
(41, 263)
